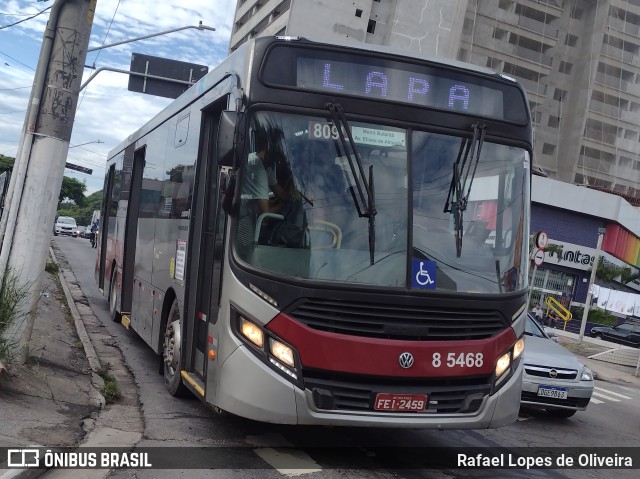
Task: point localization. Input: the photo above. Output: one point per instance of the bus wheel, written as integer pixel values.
(113, 298)
(171, 352)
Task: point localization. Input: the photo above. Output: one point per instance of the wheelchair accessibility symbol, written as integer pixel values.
(423, 274)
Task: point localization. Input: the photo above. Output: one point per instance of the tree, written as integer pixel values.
(72, 189)
(6, 163)
(550, 250)
(82, 214)
(608, 272)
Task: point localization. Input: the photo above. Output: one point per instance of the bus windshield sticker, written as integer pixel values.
(423, 273)
(378, 137)
(363, 136)
(181, 248)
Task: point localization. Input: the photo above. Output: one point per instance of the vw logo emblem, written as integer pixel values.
(553, 373)
(406, 360)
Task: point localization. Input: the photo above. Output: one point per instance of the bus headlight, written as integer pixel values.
(507, 364)
(282, 353)
(503, 364)
(518, 348)
(252, 332)
(269, 348)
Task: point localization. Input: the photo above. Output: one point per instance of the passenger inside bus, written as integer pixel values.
(267, 171)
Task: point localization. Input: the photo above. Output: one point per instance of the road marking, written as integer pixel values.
(611, 392)
(290, 462)
(604, 396)
(596, 401)
(626, 389)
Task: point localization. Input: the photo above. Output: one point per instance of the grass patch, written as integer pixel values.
(52, 268)
(12, 292)
(110, 389)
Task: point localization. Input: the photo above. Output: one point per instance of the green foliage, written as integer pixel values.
(52, 267)
(80, 207)
(110, 390)
(6, 163)
(82, 214)
(12, 292)
(595, 316)
(72, 189)
(607, 272)
(549, 249)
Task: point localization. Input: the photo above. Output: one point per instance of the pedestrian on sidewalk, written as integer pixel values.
(538, 313)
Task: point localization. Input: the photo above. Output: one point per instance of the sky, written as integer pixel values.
(107, 111)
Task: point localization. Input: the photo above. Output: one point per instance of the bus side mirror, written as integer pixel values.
(230, 137)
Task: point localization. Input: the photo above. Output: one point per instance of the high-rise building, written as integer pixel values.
(579, 61)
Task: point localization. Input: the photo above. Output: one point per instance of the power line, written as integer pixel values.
(17, 88)
(25, 19)
(100, 51)
(16, 60)
(11, 112)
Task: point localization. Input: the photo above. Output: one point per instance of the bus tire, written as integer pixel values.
(171, 352)
(113, 298)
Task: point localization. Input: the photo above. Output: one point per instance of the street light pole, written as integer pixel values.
(197, 27)
(587, 304)
(87, 143)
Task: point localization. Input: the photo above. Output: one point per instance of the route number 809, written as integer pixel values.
(468, 360)
(322, 131)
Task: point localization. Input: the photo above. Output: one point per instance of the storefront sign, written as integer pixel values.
(579, 257)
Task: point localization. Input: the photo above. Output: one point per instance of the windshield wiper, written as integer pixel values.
(366, 207)
(460, 189)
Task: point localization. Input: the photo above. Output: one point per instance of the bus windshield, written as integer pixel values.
(301, 215)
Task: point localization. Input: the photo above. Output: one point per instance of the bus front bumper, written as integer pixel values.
(249, 388)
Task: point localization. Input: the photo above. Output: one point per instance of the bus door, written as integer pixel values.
(205, 251)
(104, 227)
(131, 233)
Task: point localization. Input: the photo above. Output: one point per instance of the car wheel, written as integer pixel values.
(171, 353)
(599, 336)
(561, 413)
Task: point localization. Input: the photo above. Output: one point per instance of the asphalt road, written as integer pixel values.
(610, 421)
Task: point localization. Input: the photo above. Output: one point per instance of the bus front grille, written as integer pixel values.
(349, 392)
(402, 322)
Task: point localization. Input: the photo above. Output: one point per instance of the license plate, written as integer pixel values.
(400, 402)
(552, 392)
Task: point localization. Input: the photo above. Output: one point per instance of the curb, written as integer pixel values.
(89, 350)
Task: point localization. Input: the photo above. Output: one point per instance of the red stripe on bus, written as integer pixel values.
(380, 357)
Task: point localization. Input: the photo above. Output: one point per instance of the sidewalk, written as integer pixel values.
(55, 399)
(604, 371)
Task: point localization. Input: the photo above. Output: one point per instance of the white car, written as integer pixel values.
(65, 225)
(553, 378)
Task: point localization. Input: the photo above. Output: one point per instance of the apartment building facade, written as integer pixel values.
(579, 61)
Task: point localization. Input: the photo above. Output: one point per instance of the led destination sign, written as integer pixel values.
(445, 88)
(399, 85)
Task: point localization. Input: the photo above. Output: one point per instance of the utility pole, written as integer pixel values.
(587, 304)
(42, 154)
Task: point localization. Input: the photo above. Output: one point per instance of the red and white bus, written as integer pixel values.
(327, 234)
